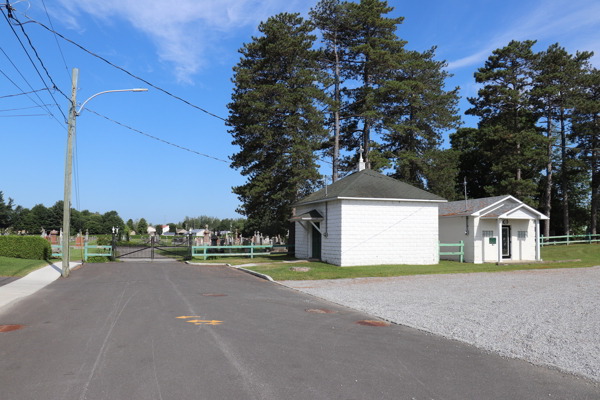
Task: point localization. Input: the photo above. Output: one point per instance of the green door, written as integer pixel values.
(316, 242)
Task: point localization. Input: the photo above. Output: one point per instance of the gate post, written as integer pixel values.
(189, 256)
(152, 247)
(112, 257)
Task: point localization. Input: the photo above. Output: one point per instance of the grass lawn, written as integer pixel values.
(589, 255)
(18, 266)
(246, 260)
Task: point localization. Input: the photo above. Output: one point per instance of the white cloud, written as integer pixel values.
(183, 31)
(550, 20)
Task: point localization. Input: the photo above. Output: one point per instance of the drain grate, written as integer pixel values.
(213, 294)
(369, 322)
(10, 328)
(320, 311)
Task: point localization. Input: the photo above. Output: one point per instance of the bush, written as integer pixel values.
(104, 241)
(28, 247)
(97, 259)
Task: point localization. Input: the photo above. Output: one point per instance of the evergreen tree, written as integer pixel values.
(374, 51)
(330, 17)
(508, 119)
(417, 110)
(142, 227)
(130, 224)
(474, 164)
(557, 74)
(586, 133)
(276, 122)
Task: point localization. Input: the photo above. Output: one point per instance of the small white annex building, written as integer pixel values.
(368, 219)
(494, 229)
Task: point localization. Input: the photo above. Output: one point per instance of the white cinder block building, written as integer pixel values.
(368, 219)
(494, 229)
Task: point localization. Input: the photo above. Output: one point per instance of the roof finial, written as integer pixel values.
(361, 162)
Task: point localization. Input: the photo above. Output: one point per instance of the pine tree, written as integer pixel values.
(417, 110)
(330, 17)
(508, 119)
(557, 73)
(142, 227)
(586, 133)
(373, 51)
(276, 121)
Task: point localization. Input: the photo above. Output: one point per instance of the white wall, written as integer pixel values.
(331, 243)
(477, 248)
(487, 252)
(452, 230)
(388, 232)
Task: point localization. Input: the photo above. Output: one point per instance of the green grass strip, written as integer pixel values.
(19, 266)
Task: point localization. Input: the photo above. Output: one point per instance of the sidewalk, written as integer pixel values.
(31, 283)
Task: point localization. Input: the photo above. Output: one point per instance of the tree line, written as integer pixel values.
(15, 218)
(297, 101)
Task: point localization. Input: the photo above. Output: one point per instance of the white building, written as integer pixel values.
(368, 219)
(494, 229)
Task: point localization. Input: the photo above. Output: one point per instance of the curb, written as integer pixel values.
(31, 283)
(239, 268)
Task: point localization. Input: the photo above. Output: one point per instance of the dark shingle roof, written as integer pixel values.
(369, 184)
(457, 208)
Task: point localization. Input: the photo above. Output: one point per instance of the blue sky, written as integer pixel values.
(188, 47)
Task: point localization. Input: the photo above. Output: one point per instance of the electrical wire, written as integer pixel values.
(25, 79)
(32, 63)
(156, 138)
(22, 93)
(23, 115)
(56, 39)
(25, 108)
(125, 71)
(26, 93)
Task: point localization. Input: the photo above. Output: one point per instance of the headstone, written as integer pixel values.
(206, 235)
(87, 232)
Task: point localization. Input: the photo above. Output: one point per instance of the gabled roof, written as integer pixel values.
(487, 207)
(368, 184)
(458, 208)
(312, 215)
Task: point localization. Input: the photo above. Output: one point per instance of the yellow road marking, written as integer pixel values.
(205, 322)
(200, 321)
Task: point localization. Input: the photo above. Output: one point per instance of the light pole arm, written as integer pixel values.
(108, 91)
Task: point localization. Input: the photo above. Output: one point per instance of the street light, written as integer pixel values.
(73, 113)
(109, 91)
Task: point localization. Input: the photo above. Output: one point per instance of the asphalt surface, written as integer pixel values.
(5, 280)
(111, 331)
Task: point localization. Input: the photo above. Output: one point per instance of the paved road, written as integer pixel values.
(110, 331)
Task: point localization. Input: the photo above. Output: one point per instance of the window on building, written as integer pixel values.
(522, 234)
(488, 233)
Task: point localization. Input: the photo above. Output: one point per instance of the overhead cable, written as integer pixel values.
(159, 139)
(22, 93)
(127, 72)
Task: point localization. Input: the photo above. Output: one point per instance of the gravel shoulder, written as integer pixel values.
(547, 317)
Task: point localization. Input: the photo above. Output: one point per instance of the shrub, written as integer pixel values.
(97, 259)
(28, 247)
(104, 241)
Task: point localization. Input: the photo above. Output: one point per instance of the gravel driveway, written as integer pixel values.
(547, 317)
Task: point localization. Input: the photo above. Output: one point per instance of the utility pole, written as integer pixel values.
(68, 175)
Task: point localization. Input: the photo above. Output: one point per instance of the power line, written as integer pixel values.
(23, 115)
(25, 108)
(56, 39)
(159, 139)
(127, 72)
(33, 91)
(32, 63)
(22, 93)
(25, 79)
